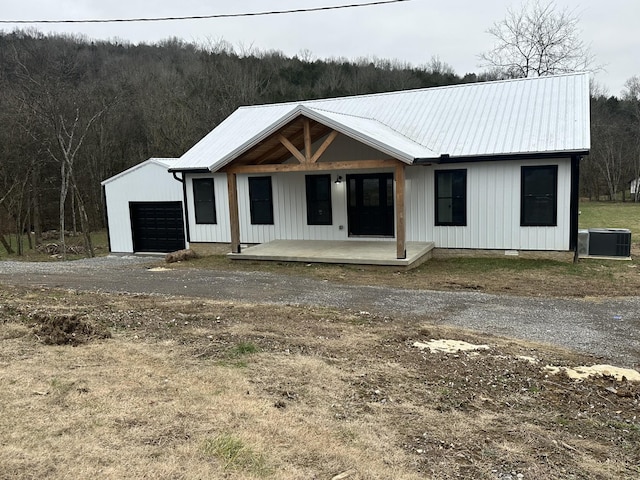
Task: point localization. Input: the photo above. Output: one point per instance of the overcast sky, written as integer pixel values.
(413, 31)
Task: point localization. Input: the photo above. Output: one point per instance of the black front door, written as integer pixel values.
(370, 204)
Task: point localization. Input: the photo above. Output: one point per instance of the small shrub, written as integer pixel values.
(180, 256)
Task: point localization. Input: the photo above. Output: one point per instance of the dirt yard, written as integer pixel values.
(137, 386)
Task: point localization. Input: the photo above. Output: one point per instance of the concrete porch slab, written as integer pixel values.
(356, 252)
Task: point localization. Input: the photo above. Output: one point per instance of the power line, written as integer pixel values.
(220, 15)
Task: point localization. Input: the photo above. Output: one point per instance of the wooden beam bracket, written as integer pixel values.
(321, 149)
(292, 148)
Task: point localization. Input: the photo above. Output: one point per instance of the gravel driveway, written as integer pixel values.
(607, 328)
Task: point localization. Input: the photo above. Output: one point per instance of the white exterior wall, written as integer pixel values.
(149, 182)
(289, 211)
(216, 233)
(493, 208)
(289, 201)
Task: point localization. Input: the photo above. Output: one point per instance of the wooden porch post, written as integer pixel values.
(234, 219)
(401, 232)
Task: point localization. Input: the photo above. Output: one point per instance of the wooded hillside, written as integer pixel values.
(74, 112)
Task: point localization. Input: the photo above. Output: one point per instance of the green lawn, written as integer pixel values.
(611, 215)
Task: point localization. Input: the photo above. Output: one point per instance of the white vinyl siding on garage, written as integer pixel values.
(146, 182)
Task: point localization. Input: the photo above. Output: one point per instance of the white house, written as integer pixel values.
(144, 209)
(486, 166)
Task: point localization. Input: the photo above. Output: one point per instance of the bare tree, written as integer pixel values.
(60, 115)
(538, 39)
(631, 94)
(609, 150)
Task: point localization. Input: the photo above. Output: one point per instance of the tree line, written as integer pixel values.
(75, 111)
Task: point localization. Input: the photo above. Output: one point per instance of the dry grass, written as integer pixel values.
(198, 389)
(513, 276)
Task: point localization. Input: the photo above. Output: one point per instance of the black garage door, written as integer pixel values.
(157, 226)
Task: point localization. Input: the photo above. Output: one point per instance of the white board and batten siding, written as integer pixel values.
(289, 211)
(289, 201)
(148, 181)
(493, 209)
(220, 232)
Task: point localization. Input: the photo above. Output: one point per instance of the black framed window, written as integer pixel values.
(451, 197)
(539, 198)
(261, 200)
(204, 200)
(318, 188)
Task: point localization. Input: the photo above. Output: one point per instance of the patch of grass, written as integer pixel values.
(611, 215)
(235, 455)
(61, 387)
(244, 348)
(99, 241)
(236, 356)
(617, 425)
(485, 265)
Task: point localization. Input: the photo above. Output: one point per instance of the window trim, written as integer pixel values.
(523, 220)
(310, 202)
(252, 201)
(198, 204)
(437, 198)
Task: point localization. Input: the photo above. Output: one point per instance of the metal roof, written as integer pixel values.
(163, 162)
(510, 117)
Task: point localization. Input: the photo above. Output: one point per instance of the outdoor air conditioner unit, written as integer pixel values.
(608, 242)
(583, 243)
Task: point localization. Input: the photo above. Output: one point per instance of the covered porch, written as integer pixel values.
(373, 201)
(356, 252)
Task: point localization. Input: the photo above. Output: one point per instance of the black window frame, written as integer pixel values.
(458, 200)
(316, 214)
(204, 201)
(256, 204)
(531, 194)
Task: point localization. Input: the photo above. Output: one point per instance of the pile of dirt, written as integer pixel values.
(66, 329)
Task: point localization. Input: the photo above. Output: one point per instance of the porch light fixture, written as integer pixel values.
(339, 179)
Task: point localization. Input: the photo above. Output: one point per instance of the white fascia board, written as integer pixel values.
(162, 162)
(364, 138)
(587, 107)
(253, 141)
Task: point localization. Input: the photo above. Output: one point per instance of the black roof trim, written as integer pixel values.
(190, 170)
(445, 158)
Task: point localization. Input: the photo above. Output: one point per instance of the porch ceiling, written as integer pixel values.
(272, 151)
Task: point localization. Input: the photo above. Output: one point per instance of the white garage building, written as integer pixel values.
(145, 209)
